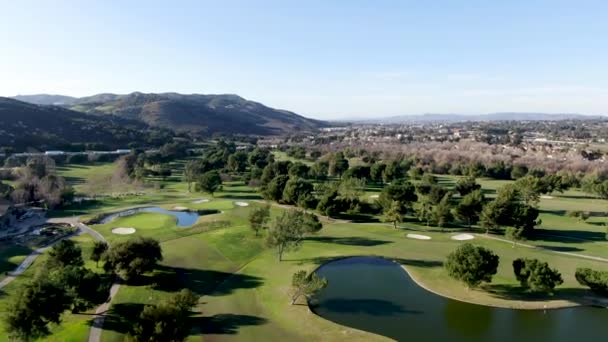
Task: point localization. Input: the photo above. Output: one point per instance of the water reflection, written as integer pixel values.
(377, 295)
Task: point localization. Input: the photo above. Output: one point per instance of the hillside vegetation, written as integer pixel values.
(24, 126)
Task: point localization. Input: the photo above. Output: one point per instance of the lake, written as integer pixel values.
(378, 296)
(184, 218)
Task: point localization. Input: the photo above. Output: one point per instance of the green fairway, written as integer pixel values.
(244, 287)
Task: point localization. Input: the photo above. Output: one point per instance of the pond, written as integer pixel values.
(184, 218)
(378, 296)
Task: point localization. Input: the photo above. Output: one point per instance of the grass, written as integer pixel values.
(244, 288)
(11, 256)
(74, 327)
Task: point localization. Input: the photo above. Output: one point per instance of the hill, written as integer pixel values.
(194, 113)
(505, 116)
(25, 125)
(45, 99)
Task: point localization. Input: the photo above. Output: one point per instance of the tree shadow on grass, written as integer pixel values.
(561, 248)
(373, 307)
(121, 317)
(516, 292)
(241, 197)
(349, 241)
(226, 324)
(566, 236)
(201, 282)
(561, 212)
(358, 218)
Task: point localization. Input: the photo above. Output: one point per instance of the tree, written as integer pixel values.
(65, 253)
(535, 275)
(306, 285)
(442, 212)
(260, 158)
(258, 218)
(376, 172)
(330, 203)
(491, 215)
(288, 230)
(470, 207)
(192, 171)
(401, 191)
(209, 182)
(394, 214)
(358, 171)
(509, 209)
(338, 165)
(83, 287)
(393, 171)
(33, 308)
(168, 321)
(274, 190)
(472, 265)
(296, 188)
(514, 234)
(597, 281)
(133, 257)
(298, 170)
(424, 210)
(466, 185)
(519, 171)
(99, 248)
(237, 162)
(319, 170)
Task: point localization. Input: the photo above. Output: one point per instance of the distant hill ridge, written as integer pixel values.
(197, 113)
(503, 116)
(25, 125)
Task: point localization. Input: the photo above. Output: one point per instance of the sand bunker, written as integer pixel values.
(462, 237)
(180, 208)
(546, 197)
(418, 237)
(374, 196)
(123, 231)
(201, 201)
(241, 204)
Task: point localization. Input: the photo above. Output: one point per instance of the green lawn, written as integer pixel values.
(74, 327)
(244, 287)
(11, 256)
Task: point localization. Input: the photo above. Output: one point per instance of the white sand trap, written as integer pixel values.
(418, 237)
(180, 208)
(374, 196)
(462, 237)
(241, 204)
(201, 201)
(123, 231)
(546, 197)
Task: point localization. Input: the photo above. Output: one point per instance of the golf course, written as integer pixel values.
(244, 288)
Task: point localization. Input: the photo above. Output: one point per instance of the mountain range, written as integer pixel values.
(194, 113)
(503, 116)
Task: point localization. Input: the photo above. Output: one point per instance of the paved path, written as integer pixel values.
(96, 327)
(29, 260)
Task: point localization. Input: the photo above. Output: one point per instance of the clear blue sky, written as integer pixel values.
(324, 59)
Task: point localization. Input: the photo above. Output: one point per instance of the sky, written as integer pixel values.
(324, 59)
